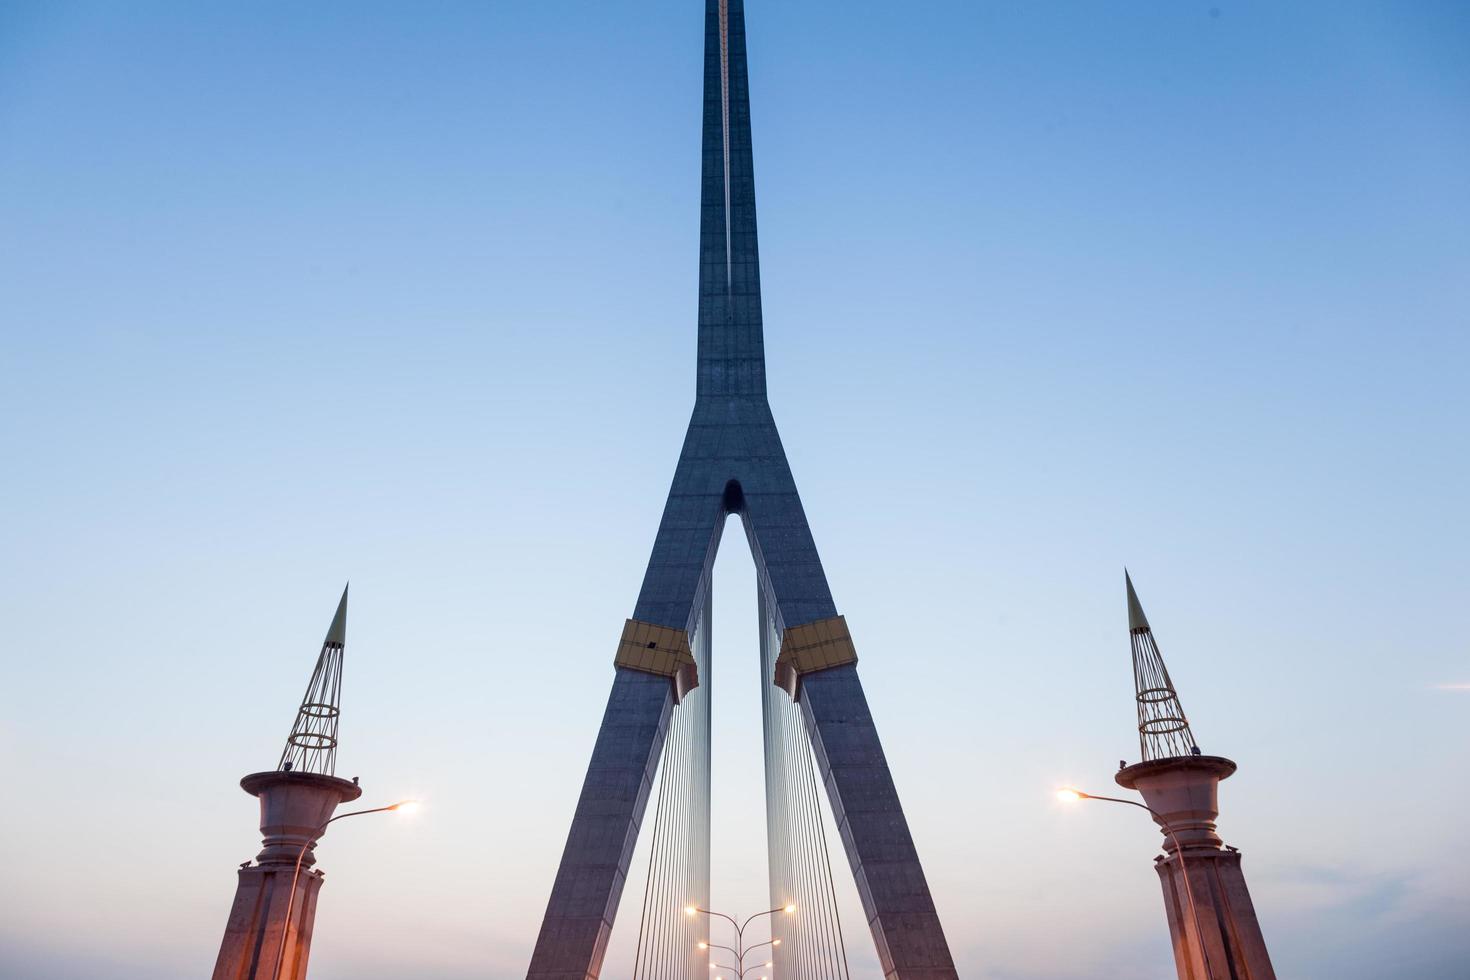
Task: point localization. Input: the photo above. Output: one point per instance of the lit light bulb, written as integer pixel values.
(775, 942)
(1070, 795)
(689, 910)
(704, 945)
(791, 908)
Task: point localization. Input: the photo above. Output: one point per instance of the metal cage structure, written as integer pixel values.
(312, 744)
(1163, 728)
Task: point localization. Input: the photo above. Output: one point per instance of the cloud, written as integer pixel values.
(1357, 924)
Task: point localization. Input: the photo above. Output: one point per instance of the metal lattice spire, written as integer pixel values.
(1163, 728)
(312, 745)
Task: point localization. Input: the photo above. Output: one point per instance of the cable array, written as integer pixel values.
(811, 945)
(679, 854)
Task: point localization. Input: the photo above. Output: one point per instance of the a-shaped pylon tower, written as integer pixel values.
(820, 738)
(1212, 921)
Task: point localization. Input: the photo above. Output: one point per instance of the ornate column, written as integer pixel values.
(1212, 921)
(274, 900)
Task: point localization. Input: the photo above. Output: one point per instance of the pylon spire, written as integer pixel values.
(1163, 728)
(312, 744)
(731, 346)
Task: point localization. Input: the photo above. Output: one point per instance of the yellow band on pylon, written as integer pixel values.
(660, 650)
(811, 647)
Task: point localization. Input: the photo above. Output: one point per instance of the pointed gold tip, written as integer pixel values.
(1137, 621)
(337, 632)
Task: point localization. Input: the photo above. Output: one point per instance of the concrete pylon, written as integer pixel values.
(733, 464)
(1212, 920)
(273, 901)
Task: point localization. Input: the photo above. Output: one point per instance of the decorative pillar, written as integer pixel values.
(293, 806)
(296, 801)
(1212, 921)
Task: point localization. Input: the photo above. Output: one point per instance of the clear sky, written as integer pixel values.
(405, 293)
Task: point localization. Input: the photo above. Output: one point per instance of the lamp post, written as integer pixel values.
(311, 839)
(1072, 795)
(741, 951)
(741, 971)
(740, 974)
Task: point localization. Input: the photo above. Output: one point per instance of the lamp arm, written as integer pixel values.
(296, 875)
(358, 813)
(1183, 866)
(752, 949)
(759, 914)
(721, 915)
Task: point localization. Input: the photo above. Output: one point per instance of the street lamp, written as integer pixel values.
(403, 806)
(742, 950)
(739, 973)
(1069, 794)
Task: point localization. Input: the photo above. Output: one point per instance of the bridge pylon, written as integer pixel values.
(820, 737)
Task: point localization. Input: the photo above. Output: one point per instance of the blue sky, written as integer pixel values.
(405, 294)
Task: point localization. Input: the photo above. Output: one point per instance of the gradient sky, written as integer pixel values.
(405, 293)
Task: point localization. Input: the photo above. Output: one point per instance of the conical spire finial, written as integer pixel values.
(312, 744)
(337, 632)
(1136, 619)
(1163, 728)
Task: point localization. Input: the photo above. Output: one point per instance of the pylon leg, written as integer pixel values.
(594, 863)
(865, 807)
